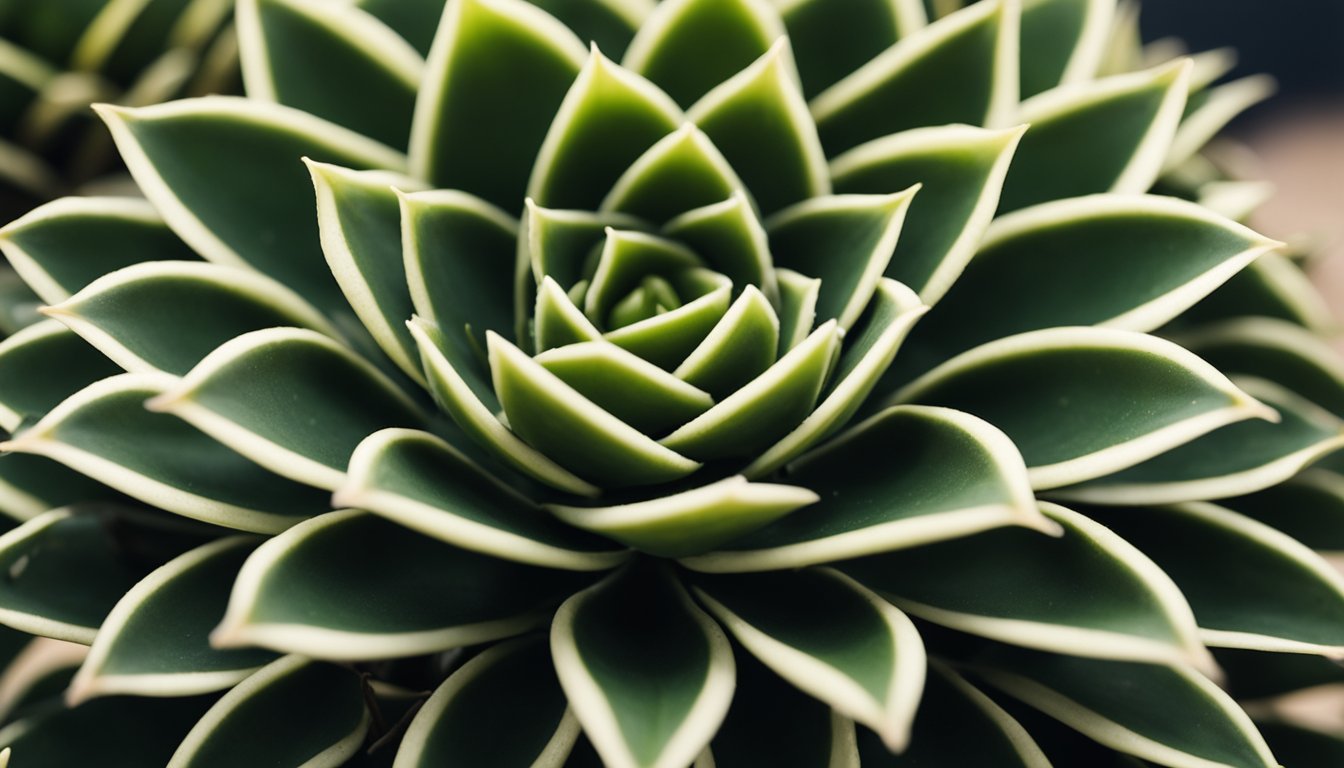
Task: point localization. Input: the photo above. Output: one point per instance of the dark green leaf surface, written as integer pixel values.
(42, 365)
(832, 39)
(120, 732)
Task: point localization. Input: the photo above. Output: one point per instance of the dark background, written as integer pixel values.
(1299, 42)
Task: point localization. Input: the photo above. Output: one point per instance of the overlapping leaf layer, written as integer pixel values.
(813, 383)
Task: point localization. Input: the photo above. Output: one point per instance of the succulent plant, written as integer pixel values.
(817, 386)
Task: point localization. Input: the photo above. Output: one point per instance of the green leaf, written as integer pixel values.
(689, 46)
(558, 321)
(1085, 593)
(1116, 261)
(608, 119)
(741, 346)
(957, 725)
(463, 390)
(667, 340)
(1100, 401)
(119, 732)
(648, 674)
(1302, 747)
(869, 351)
(797, 306)
(225, 174)
(731, 240)
(495, 77)
(105, 432)
(1274, 350)
(608, 24)
(415, 20)
(1234, 460)
(684, 170)
(1263, 674)
(626, 259)
(832, 638)
(1272, 286)
(558, 421)
(40, 366)
(1111, 135)
(154, 642)
(1253, 587)
(1308, 507)
(773, 723)
(31, 485)
(959, 69)
(959, 171)
(359, 220)
(166, 316)
(690, 522)
(309, 589)
(66, 244)
(66, 568)
(857, 516)
(559, 244)
(417, 480)
(293, 710)
(1217, 108)
(504, 708)
(833, 38)
(335, 61)
(760, 120)
(1063, 41)
(292, 400)
(1168, 714)
(19, 306)
(633, 390)
(847, 241)
(765, 409)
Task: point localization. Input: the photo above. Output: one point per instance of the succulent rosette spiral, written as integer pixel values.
(714, 382)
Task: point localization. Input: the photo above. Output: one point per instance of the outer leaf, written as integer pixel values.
(855, 516)
(1115, 261)
(40, 366)
(1254, 587)
(1149, 711)
(773, 722)
(847, 241)
(760, 120)
(761, 412)
(66, 244)
(503, 708)
(291, 400)
(166, 316)
(832, 638)
(122, 732)
(1109, 136)
(105, 432)
(1237, 459)
(1085, 382)
(495, 77)
(1205, 120)
(1308, 507)
(832, 39)
(869, 351)
(689, 46)
(1273, 286)
(324, 704)
(359, 220)
(960, 171)
(609, 24)
(417, 480)
(1065, 40)
(225, 174)
(609, 117)
(335, 61)
(153, 643)
(309, 591)
(693, 521)
(960, 69)
(31, 485)
(647, 673)
(415, 20)
(957, 724)
(558, 421)
(1044, 593)
(1277, 351)
(68, 569)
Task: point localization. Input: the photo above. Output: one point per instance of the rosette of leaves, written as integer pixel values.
(716, 382)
